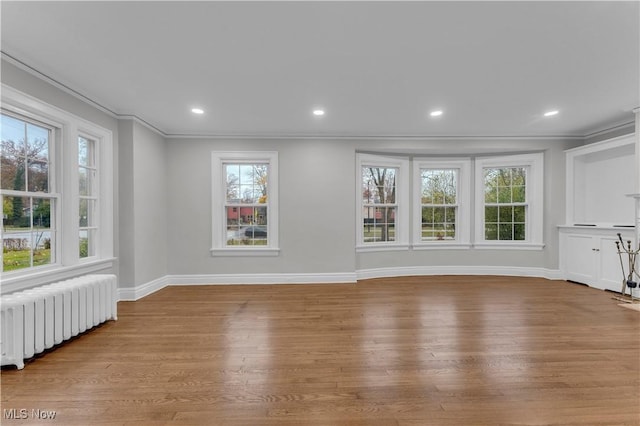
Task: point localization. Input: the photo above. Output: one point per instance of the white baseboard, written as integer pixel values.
(136, 293)
(515, 271)
(221, 279)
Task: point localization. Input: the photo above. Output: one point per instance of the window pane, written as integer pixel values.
(86, 152)
(518, 194)
(22, 142)
(8, 168)
(491, 214)
(505, 214)
(12, 153)
(505, 231)
(519, 214)
(232, 173)
(380, 226)
(450, 215)
(379, 185)
(13, 173)
(490, 193)
(87, 244)
(491, 231)
(449, 231)
(519, 232)
(27, 235)
(246, 226)
(17, 211)
(438, 186)
(83, 179)
(16, 251)
(87, 213)
(246, 183)
(504, 194)
(428, 215)
(38, 177)
(42, 213)
(261, 181)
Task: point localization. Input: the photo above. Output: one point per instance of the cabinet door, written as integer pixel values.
(610, 274)
(578, 252)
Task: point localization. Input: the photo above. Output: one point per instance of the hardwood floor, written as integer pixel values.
(402, 351)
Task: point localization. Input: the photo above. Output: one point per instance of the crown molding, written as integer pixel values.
(630, 125)
(68, 90)
(385, 137)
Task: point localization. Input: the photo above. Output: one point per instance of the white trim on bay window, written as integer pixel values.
(460, 169)
(532, 203)
(393, 225)
(253, 229)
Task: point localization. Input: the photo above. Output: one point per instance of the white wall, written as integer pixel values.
(143, 205)
(150, 204)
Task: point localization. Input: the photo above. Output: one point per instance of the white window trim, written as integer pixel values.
(402, 200)
(65, 175)
(463, 194)
(535, 197)
(218, 228)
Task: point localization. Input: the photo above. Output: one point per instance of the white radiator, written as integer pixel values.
(39, 318)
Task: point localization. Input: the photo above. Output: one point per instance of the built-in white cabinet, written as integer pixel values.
(600, 177)
(589, 255)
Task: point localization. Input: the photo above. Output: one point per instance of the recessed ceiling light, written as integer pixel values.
(318, 112)
(436, 113)
(551, 113)
(197, 110)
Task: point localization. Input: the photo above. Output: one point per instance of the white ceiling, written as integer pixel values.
(378, 68)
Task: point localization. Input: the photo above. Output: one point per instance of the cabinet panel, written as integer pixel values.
(579, 258)
(610, 277)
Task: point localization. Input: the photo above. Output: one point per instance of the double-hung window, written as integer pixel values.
(509, 201)
(441, 203)
(244, 203)
(56, 189)
(382, 211)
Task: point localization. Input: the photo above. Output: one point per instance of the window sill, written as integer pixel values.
(382, 247)
(244, 251)
(444, 245)
(17, 281)
(508, 246)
